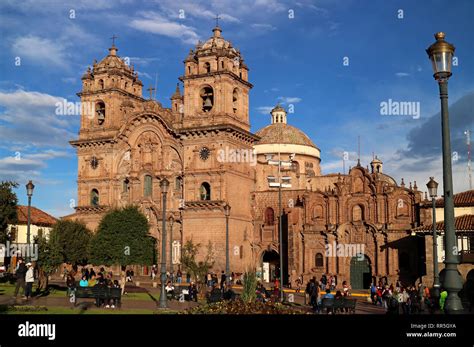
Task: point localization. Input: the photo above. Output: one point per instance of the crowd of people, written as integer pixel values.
(407, 300)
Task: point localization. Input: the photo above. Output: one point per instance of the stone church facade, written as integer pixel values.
(203, 146)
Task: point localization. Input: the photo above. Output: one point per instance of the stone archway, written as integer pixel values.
(360, 272)
(270, 265)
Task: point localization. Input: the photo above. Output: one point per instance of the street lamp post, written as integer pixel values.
(171, 243)
(164, 184)
(29, 192)
(433, 191)
(227, 260)
(441, 56)
(285, 183)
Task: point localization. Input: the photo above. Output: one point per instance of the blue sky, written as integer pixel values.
(295, 51)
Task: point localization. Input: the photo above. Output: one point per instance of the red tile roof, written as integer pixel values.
(461, 223)
(463, 199)
(38, 217)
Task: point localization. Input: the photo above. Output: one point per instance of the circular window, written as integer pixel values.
(204, 153)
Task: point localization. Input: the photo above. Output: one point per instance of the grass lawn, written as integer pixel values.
(68, 310)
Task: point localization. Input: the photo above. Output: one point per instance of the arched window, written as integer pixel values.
(126, 85)
(318, 260)
(178, 183)
(269, 216)
(205, 191)
(318, 212)
(235, 99)
(357, 213)
(125, 185)
(101, 84)
(207, 98)
(207, 67)
(402, 208)
(94, 197)
(100, 112)
(147, 186)
(189, 69)
(222, 64)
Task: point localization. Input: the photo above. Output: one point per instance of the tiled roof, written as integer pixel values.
(461, 223)
(284, 134)
(38, 217)
(463, 199)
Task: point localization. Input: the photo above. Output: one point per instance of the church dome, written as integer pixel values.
(284, 134)
(279, 136)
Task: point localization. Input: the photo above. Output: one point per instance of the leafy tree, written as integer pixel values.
(123, 238)
(71, 239)
(197, 269)
(50, 257)
(8, 203)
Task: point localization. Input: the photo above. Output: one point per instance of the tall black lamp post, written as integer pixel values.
(164, 184)
(227, 260)
(433, 191)
(441, 56)
(29, 192)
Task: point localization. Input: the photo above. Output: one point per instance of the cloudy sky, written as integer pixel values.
(333, 62)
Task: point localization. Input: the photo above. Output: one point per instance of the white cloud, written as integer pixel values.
(29, 119)
(402, 74)
(289, 99)
(263, 27)
(40, 51)
(154, 23)
(264, 109)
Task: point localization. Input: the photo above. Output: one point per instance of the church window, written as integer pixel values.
(357, 213)
(94, 197)
(207, 67)
(125, 186)
(205, 191)
(207, 99)
(101, 84)
(318, 260)
(269, 216)
(126, 85)
(222, 64)
(235, 99)
(318, 212)
(189, 69)
(402, 208)
(100, 112)
(147, 186)
(178, 183)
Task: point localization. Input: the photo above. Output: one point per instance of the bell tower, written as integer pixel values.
(219, 162)
(216, 87)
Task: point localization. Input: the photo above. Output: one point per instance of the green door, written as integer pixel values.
(361, 275)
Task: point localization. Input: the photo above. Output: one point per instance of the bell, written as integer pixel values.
(100, 116)
(208, 103)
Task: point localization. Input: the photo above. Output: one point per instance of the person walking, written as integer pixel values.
(179, 276)
(29, 279)
(20, 277)
(223, 280)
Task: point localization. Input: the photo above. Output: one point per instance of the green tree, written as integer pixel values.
(71, 239)
(197, 269)
(49, 258)
(8, 203)
(122, 238)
